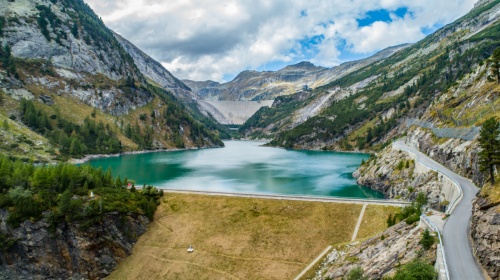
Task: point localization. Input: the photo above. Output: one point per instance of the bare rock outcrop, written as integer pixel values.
(485, 233)
(380, 255)
(71, 250)
(394, 173)
(458, 155)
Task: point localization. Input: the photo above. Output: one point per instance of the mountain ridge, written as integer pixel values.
(251, 85)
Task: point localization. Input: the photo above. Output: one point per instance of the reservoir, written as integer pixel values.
(244, 167)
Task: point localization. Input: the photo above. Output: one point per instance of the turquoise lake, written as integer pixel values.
(245, 167)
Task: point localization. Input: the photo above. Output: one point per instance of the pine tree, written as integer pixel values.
(495, 64)
(427, 240)
(489, 156)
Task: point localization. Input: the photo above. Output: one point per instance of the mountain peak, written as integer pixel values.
(302, 65)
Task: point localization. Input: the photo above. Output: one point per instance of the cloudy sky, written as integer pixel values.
(215, 40)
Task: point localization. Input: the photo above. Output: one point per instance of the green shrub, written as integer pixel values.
(415, 270)
(356, 273)
(427, 240)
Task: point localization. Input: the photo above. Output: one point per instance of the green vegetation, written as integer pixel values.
(285, 106)
(356, 273)
(72, 139)
(27, 191)
(427, 240)
(410, 214)
(489, 156)
(495, 64)
(2, 25)
(415, 270)
(45, 17)
(8, 61)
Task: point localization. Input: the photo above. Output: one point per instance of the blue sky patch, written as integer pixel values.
(381, 15)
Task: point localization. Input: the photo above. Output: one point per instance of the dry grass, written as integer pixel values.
(236, 238)
(492, 192)
(375, 220)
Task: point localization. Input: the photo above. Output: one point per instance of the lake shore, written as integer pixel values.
(87, 158)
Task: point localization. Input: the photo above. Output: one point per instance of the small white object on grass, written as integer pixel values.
(190, 249)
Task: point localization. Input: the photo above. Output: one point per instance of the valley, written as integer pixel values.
(72, 89)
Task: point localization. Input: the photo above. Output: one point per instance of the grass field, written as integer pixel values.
(240, 238)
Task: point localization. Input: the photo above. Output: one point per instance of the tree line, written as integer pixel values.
(75, 140)
(26, 191)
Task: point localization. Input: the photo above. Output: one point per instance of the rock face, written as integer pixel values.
(69, 252)
(267, 85)
(156, 72)
(379, 255)
(485, 233)
(396, 175)
(75, 52)
(459, 155)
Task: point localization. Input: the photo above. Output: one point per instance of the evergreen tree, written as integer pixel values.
(495, 64)
(489, 156)
(427, 240)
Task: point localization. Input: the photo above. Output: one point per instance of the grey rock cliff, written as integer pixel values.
(458, 155)
(70, 252)
(394, 173)
(379, 256)
(153, 70)
(86, 62)
(485, 233)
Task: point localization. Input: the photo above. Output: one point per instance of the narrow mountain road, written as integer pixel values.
(458, 250)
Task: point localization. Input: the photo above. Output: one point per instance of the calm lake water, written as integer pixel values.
(245, 167)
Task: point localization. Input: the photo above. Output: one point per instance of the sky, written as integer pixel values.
(217, 39)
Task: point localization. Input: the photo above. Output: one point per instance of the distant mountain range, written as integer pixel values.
(267, 85)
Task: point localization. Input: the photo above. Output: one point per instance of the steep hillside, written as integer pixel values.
(367, 105)
(87, 93)
(154, 71)
(267, 85)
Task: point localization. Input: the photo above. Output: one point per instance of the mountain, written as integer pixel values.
(154, 71)
(267, 85)
(68, 89)
(366, 107)
(86, 94)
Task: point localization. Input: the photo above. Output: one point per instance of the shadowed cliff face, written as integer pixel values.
(69, 251)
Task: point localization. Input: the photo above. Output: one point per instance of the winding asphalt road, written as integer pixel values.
(459, 258)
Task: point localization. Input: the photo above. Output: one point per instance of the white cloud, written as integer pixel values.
(207, 39)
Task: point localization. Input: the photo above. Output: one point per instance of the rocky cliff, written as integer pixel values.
(73, 50)
(458, 155)
(485, 233)
(71, 251)
(60, 55)
(154, 71)
(378, 256)
(394, 173)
